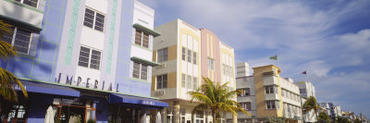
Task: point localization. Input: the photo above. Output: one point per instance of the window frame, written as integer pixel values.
(162, 53)
(94, 19)
(211, 64)
(142, 34)
(89, 57)
(13, 35)
(22, 1)
(163, 84)
(272, 104)
(138, 68)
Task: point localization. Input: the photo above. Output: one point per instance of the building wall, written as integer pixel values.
(210, 49)
(189, 37)
(227, 65)
(260, 91)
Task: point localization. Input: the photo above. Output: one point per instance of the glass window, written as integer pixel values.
(162, 81)
(194, 57)
(93, 19)
(95, 59)
(89, 18)
(145, 40)
(183, 80)
(183, 53)
(270, 89)
(271, 104)
(99, 22)
(136, 70)
(246, 105)
(195, 83)
(211, 64)
(32, 3)
(163, 55)
(89, 57)
(20, 39)
(188, 83)
(144, 71)
(189, 55)
(141, 38)
(84, 57)
(17, 113)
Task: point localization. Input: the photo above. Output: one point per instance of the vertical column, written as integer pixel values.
(176, 109)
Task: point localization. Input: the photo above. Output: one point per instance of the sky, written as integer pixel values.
(330, 39)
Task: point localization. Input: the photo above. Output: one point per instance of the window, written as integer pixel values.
(140, 71)
(183, 53)
(17, 113)
(246, 105)
(211, 64)
(162, 81)
(270, 89)
(188, 82)
(163, 55)
(272, 104)
(32, 3)
(183, 80)
(142, 38)
(283, 92)
(20, 39)
(244, 92)
(189, 55)
(93, 19)
(195, 83)
(89, 57)
(194, 57)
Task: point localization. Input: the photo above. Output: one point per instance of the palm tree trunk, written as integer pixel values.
(214, 116)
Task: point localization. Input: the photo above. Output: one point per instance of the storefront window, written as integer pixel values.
(17, 114)
(74, 111)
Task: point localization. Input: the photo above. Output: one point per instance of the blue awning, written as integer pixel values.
(121, 98)
(44, 88)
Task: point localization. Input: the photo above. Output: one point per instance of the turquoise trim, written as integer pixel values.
(147, 30)
(144, 48)
(24, 6)
(144, 61)
(111, 36)
(140, 80)
(72, 32)
(54, 83)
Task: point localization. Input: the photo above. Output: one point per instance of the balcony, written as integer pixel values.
(22, 15)
(270, 80)
(273, 96)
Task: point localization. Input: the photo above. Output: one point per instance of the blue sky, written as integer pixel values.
(330, 39)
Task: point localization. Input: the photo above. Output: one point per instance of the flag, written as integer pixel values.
(273, 57)
(304, 72)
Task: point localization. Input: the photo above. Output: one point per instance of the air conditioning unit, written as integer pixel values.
(159, 93)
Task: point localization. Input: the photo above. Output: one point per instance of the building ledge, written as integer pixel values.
(144, 61)
(147, 30)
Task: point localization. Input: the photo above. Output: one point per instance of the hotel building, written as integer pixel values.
(266, 94)
(81, 59)
(185, 54)
(307, 89)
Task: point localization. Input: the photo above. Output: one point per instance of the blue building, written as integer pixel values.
(81, 59)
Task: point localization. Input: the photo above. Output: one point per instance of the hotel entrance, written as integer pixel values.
(74, 110)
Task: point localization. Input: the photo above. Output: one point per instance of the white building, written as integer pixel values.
(276, 97)
(306, 90)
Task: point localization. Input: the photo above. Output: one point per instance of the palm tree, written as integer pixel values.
(217, 98)
(7, 79)
(311, 104)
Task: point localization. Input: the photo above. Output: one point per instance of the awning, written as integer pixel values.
(44, 88)
(147, 30)
(144, 61)
(121, 98)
